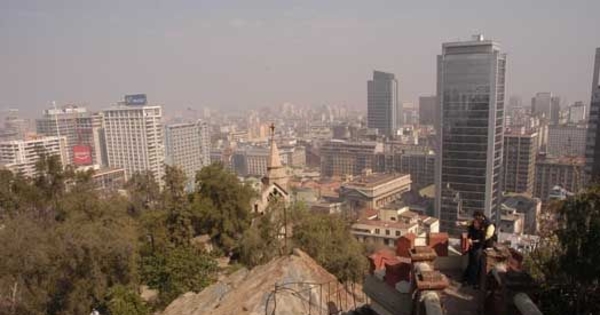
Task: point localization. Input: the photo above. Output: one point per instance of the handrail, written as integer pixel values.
(525, 305)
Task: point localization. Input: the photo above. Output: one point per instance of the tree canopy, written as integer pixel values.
(327, 239)
(567, 261)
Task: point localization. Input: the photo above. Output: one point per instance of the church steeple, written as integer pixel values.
(276, 173)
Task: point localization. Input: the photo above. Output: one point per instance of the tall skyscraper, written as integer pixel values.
(187, 146)
(520, 151)
(82, 130)
(541, 103)
(592, 156)
(471, 78)
(382, 102)
(134, 137)
(546, 105)
(427, 110)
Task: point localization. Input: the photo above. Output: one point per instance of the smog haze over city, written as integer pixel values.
(299, 157)
(247, 54)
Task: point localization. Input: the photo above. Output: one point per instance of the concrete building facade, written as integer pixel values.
(565, 172)
(520, 152)
(82, 130)
(134, 139)
(340, 157)
(566, 140)
(374, 190)
(21, 156)
(577, 113)
(419, 164)
(187, 146)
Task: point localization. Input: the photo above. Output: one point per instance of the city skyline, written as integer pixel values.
(305, 53)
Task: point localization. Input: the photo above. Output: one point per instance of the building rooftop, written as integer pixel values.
(372, 180)
(564, 160)
(520, 201)
(520, 132)
(386, 224)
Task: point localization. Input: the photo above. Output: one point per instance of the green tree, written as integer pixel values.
(122, 300)
(66, 267)
(179, 270)
(175, 201)
(327, 239)
(264, 240)
(17, 195)
(50, 178)
(143, 191)
(169, 261)
(223, 205)
(567, 262)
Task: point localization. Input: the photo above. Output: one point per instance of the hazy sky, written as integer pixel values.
(238, 54)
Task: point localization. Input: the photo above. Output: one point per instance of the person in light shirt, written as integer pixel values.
(481, 235)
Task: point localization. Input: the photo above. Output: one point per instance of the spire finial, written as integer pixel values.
(272, 128)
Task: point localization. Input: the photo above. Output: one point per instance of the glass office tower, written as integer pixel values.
(382, 102)
(592, 154)
(470, 89)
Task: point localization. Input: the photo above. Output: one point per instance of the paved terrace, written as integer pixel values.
(424, 276)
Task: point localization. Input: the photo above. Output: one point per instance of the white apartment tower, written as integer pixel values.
(134, 138)
(188, 147)
(21, 156)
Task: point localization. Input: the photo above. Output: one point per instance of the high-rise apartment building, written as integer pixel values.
(592, 154)
(82, 129)
(520, 151)
(471, 78)
(134, 138)
(428, 109)
(187, 146)
(566, 140)
(382, 102)
(21, 156)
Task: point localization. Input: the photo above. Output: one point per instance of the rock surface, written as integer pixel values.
(294, 284)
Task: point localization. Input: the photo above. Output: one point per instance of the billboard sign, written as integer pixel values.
(135, 99)
(82, 155)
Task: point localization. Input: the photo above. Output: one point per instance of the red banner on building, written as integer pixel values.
(82, 155)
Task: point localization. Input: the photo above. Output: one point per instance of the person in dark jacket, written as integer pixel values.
(481, 234)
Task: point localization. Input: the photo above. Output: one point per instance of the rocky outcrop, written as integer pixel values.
(293, 284)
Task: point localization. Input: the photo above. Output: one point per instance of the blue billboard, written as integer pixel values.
(135, 99)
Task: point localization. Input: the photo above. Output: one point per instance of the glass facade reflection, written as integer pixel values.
(471, 78)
